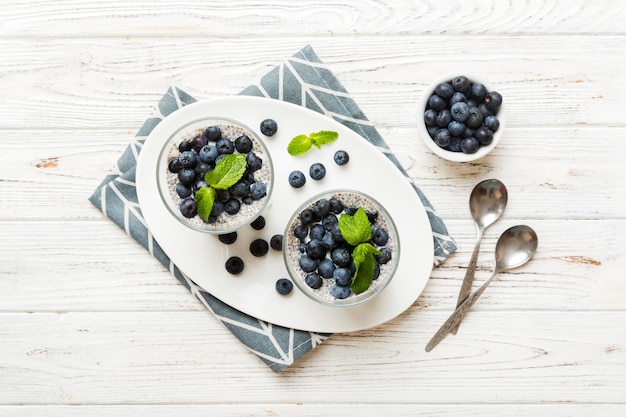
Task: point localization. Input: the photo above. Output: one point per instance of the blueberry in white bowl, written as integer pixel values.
(215, 175)
(461, 117)
(341, 247)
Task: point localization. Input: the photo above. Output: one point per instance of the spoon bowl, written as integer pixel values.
(515, 247)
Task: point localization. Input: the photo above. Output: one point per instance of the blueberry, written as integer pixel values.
(336, 206)
(284, 286)
(442, 138)
(470, 145)
(456, 128)
(384, 257)
(202, 168)
(444, 117)
(316, 232)
(455, 144)
(376, 271)
(436, 103)
(326, 268)
(234, 265)
(321, 208)
(432, 130)
(341, 157)
(182, 190)
(199, 184)
(174, 165)
(188, 207)
(228, 238)
(297, 179)
(213, 133)
(484, 135)
(223, 195)
(484, 110)
(313, 280)
(259, 247)
(232, 206)
(478, 91)
(243, 144)
(301, 231)
(459, 111)
(276, 242)
(329, 221)
(225, 146)
(342, 276)
(444, 90)
(188, 159)
(253, 161)
(492, 123)
(198, 142)
(217, 209)
(187, 176)
(317, 171)
(475, 118)
(430, 117)
(341, 257)
(258, 190)
(247, 200)
(461, 83)
(185, 146)
(240, 189)
(336, 233)
(208, 153)
(329, 241)
(316, 249)
(307, 216)
(258, 223)
(269, 127)
(307, 263)
(457, 97)
(493, 100)
(340, 291)
(380, 236)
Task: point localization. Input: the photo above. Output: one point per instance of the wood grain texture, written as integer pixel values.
(92, 325)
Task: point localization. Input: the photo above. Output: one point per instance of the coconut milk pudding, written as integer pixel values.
(238, 184)
(324, 251)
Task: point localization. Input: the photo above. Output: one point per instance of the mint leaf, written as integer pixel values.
(227, 172)
(299, 145)
(355, 229)
(323, 137)
(205, 197)
(363, 256)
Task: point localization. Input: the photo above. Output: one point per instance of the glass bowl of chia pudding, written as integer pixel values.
(215, 175)
(341, 248)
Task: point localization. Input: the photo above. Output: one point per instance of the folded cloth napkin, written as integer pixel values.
(304, 80)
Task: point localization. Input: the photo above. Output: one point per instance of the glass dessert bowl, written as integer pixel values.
(341, 248)
(215, 175)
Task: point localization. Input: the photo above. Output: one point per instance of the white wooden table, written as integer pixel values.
(91, 324)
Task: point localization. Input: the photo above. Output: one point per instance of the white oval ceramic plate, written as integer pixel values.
(201, 256)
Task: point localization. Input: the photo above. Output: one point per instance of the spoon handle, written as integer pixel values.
(458, 314)
(468, 280)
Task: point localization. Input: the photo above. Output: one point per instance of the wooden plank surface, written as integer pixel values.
(90, 324)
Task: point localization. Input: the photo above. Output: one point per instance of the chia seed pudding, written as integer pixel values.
(249, 209)
(294, 249)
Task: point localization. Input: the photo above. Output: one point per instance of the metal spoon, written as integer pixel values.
(515, 247)
(487, 202)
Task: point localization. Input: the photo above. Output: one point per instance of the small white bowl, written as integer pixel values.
(444, 153)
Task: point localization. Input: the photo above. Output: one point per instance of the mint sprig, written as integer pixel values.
(356, 230)
(226, 173)
(301, 144)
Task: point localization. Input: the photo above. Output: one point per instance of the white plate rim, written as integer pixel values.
(255, 295)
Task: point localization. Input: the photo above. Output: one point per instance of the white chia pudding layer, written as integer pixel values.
(293, 244)
(224, 222)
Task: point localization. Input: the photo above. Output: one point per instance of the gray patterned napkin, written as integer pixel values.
(304, 80)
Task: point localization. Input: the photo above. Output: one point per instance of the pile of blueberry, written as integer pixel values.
(324, 254)
(199, 155)
(461, 115)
